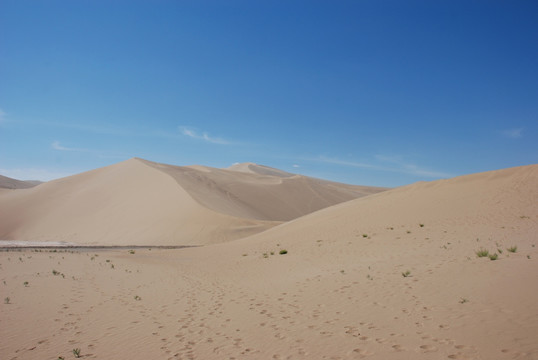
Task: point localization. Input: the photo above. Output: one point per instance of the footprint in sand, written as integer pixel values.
(428, 348)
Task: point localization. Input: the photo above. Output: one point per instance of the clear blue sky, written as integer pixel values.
(367, 92)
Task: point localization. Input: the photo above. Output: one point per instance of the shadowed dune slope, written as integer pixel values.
(259, 192)
(145, 203)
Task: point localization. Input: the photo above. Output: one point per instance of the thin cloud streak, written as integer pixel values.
(204, 136)
(513, 133)
(401, 167)
(56, 146)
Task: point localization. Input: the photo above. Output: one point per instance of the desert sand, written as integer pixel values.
(392, 275)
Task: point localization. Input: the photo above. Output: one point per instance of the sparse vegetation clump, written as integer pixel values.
(463, 300)
(482, 253)
(421, 225)
(76, 352)
(54, 272)
(493, 256)
(364, 235)
(406, 273)
(512, 249)
(283, 252)
(25, 283)
(7, 300)
(137, 298)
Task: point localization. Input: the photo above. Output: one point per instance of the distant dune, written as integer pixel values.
(9, 183)
(138, 202)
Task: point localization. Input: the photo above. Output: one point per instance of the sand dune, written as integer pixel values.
(9, 183)
(138, 202)
(338, 293)
(261, 193)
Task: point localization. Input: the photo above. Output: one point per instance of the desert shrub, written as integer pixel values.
(482, 253)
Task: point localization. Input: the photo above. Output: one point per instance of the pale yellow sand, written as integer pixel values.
(334, 295)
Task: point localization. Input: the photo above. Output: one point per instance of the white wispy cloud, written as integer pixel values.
(513, 133)
(390, 164)
(56, 146)
(337, 161)
(202, 136)
(404, 166)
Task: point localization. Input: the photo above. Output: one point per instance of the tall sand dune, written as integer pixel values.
(145, 203)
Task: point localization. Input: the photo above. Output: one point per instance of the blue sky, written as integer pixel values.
(366, 92)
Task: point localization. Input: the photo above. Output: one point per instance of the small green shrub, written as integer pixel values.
(54, 272)
(132, 252)
(421, 225)
(463, 300)
(406, 273)
(76, 352)
(25, 283)
(493, 256)
(7, 300)
(283, 252)
(364, 235)
(137, 298)
(512, 249)
(482, 253)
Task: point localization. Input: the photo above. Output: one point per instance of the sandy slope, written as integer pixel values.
(141, 202)
(336, 294)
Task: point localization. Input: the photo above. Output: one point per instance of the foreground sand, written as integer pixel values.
(338, 293)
